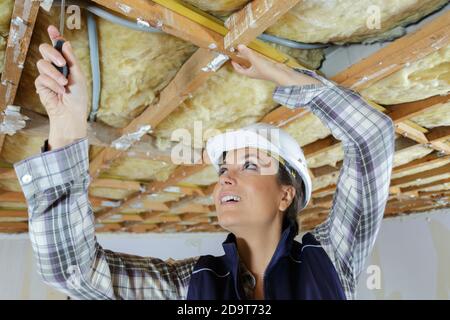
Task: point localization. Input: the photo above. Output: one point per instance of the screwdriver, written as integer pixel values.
(59, 43)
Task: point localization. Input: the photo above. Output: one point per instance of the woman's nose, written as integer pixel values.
(226, 178)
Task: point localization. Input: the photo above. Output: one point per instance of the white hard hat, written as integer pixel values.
(266, 137)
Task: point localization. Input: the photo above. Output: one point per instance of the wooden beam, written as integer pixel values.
(405, 111)
(178, 175)
(7, 173)
(421, 175)
(248, 23)
(393, 57)
(425, 186)
(282, 116)
(324, 190)
(116, 184)
(431, 158)
(10, 196)
(320, 146)
(439, 134)
(13, 225)
(22, 24)
(13, 214)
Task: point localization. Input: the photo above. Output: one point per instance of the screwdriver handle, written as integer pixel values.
(64, 69)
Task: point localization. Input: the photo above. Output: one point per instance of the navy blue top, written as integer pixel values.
(296, 271)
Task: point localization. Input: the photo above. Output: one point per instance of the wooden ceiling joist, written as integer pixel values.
(22, 24)
(421, 175)
(425, 186)
(246, 24)
(405, 111)
(13, 214)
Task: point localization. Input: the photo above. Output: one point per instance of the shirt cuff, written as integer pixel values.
(301, 95)
(53, 168)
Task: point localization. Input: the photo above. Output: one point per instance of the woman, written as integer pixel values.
(263, 183)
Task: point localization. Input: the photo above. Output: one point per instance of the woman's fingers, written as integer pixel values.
(48, 69)
(44, 82)
(72, 63)
(53, 33)
(245, 52)
(51, 54)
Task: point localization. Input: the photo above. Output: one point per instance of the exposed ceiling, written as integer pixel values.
(157, 79)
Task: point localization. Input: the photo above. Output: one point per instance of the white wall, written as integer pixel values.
(412, 253)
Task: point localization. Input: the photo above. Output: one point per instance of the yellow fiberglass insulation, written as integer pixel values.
(421, 79)
(205, 177)
(6, 7)
(409, 154)
(325, 180)
(164, 196)
(135, 67)
(140, 169)
(336, 20)
(218, 7)
(20, 146)
(110, 193)
(226, 101)
(329, 157)
(10, 185)
(307, 129)
(341, 21)
(437, 116)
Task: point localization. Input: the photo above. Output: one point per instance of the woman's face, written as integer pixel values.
(248, 193)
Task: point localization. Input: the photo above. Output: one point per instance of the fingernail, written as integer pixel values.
(61, 62)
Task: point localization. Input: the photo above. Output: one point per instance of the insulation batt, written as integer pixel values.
(337, 21)
(419, 80)
(435, 117)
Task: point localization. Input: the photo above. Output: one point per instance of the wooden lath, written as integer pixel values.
(22, 24)
(405, 111)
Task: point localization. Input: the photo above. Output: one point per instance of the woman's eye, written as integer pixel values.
(249, 165)
(221, 171)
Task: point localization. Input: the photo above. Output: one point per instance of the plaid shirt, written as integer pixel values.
(61, 220)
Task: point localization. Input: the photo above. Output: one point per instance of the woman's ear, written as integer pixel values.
(287, 196)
